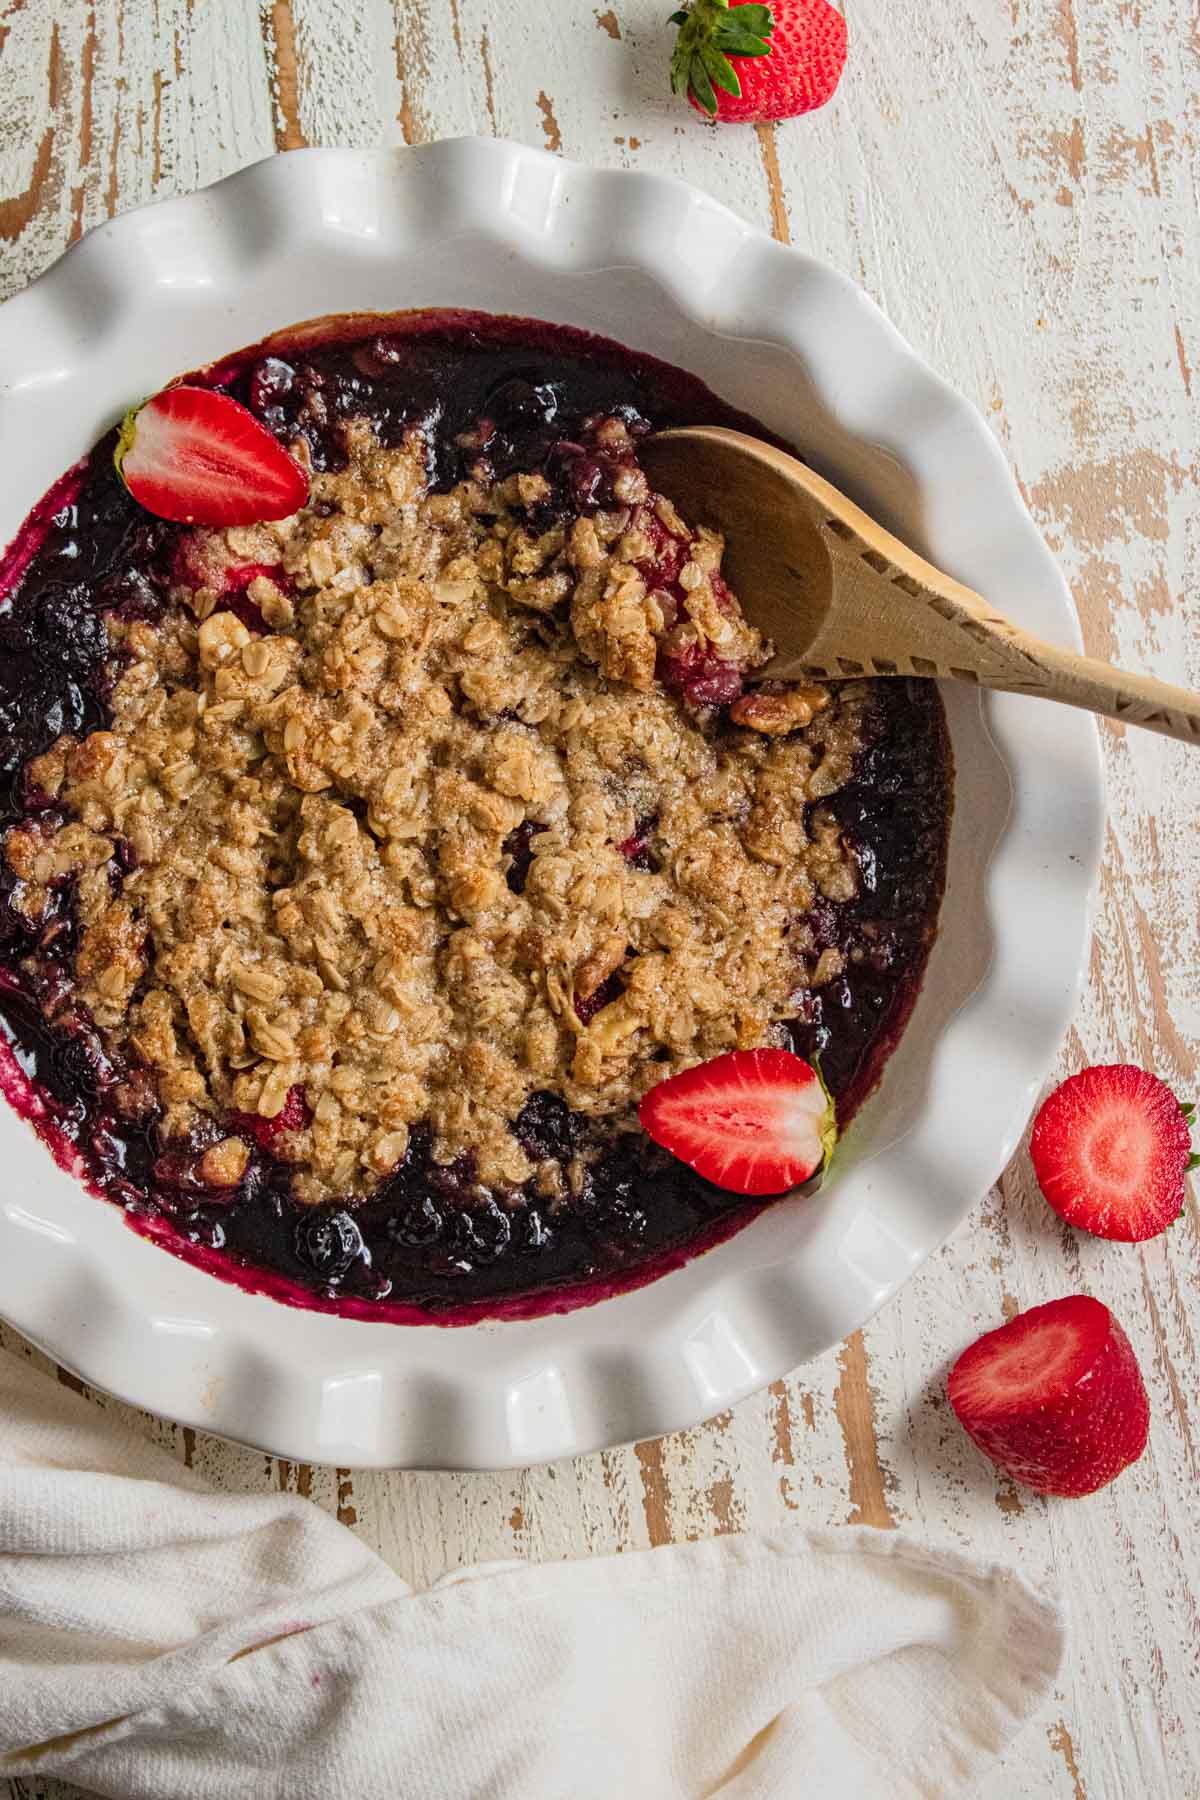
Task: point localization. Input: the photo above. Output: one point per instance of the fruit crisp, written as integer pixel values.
(369, 865)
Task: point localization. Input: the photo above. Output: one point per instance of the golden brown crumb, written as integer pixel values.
(775, 714)
(225, 1163)
(385, 850)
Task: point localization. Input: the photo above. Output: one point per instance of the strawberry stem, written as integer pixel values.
(125, 437)
(828, 1127)
(710, 32)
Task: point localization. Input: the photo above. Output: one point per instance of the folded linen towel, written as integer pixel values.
(159, 1641)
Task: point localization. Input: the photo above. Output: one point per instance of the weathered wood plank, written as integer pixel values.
(1015, 185)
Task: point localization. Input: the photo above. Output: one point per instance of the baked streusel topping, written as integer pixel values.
(425, 809)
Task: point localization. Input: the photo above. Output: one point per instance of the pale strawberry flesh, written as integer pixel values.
(1111, 1149)
(1055, 1398)
(752, 1121)
(199, 457)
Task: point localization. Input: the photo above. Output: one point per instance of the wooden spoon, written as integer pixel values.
(839, 595)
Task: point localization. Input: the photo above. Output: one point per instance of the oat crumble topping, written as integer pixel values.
(438, 837)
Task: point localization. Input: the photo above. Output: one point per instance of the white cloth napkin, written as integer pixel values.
(159, 1641)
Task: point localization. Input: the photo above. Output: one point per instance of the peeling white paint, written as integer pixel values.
(1014, 181)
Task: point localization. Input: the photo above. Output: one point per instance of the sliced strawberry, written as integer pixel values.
(294, 1116)
(1055, 1397)
(199, 457)
(238, 576)
(753, 1121)
(1111, 1148)
(668, 552)
(236, 600)
(698, 674)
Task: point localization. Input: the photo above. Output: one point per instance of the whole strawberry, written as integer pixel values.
(744, 63)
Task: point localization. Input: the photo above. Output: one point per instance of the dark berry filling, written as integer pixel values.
(431, 1241)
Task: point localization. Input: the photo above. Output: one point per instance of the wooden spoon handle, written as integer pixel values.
(1083, 681)
(892, 603)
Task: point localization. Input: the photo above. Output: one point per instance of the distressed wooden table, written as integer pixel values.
(1016, 182)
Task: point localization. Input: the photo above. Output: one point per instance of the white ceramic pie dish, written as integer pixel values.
(660, 267)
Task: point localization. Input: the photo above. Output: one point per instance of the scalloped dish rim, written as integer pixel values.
(667, 270)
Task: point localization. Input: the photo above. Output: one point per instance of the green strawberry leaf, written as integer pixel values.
(738, 35)
(1193, 1162)
(701, 86)
(681, 63)
(757, 20)
(1188, 1109)
(751, 47)
(720, 70)
(709, 34)
(738, 41)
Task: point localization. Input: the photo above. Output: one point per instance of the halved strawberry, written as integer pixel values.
(199, 457)
(1055, 1397)
(752, 1121)
(1111, 1148)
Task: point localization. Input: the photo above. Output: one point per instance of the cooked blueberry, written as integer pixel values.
(133, 595)
(378, 355)
(37, 706)
(176, 1180)
(589, 482)
(418, 1225)
(81, 1062)
(110, 1152)
(635, 422)
(523, 403)
(824, 922)
(68, 628)
(531, 1230)
(329, 1242)
(451, 1183)
(124, 1193)
(480, 1236)
(616, 1220)
(271, 381)
(588, 1005)
(519, 846)
(208, 1231)
(546, 1128)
